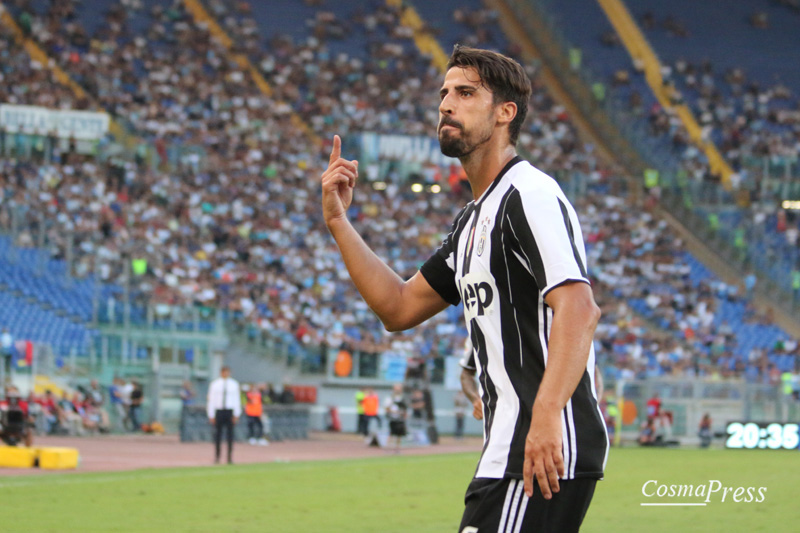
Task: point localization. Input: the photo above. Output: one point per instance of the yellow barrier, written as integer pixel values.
(47, 457)
(53, 458)
(639, 49)
(17, 457)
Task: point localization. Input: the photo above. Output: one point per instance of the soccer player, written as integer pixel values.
(515, 258)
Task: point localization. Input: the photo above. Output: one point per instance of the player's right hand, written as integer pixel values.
(338, 182)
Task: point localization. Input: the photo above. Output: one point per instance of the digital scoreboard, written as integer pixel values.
(762, 435)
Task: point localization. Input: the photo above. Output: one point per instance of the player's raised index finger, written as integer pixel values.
(336, 151)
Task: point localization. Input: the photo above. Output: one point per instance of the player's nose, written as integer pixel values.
(447, 105)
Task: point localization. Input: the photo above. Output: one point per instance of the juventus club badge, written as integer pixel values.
(482, 240)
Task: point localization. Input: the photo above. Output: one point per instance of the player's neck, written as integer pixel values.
(483, 165)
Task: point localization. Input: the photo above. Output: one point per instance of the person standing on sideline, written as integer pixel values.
(253, 409)
(460, 404)
(704, 431)
(371, 412)
(224, 406)
(396, 411)
(187, 394)
(136, 400)
(516, 259)
(362, 418)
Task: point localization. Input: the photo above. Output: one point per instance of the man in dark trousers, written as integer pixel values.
(224, 407)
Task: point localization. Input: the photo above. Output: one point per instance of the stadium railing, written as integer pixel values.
(689, 400)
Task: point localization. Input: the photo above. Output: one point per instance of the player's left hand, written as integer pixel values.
(477, 409)
(544, 459)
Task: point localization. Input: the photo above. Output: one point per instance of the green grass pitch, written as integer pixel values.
(391, 494)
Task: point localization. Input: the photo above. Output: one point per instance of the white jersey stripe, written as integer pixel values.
(507, 504)
(521, 514)
(522, 261)
(565, 449)
(572, 445)
(590, 368)
(514, 505)
(542, 332)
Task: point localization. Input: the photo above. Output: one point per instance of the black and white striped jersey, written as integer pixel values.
(504, 253)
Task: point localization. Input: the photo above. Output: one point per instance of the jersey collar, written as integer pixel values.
(516, 159)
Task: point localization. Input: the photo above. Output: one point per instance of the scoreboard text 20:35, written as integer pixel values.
(763, 435)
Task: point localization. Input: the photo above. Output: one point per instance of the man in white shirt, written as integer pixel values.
(224, 407)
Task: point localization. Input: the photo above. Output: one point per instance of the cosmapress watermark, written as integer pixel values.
(699, 495)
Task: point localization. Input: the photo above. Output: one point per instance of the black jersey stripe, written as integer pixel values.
(458, 227)
(523, 357)
(568, 223)
(470, 241)
(525, 241)
(489, 396)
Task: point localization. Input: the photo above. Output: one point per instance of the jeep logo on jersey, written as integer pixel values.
(478, 298)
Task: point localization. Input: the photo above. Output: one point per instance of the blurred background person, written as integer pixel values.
(224, 407)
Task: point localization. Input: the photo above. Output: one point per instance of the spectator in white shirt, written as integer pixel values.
(224, 407)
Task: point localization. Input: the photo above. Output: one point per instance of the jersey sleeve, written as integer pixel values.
(468, 359)
(549, 238)
(439, 272)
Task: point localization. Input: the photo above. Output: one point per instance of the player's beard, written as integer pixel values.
(463, 144)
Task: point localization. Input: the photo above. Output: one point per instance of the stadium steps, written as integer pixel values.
(638, 48)
(533, 31)
(590, 122)
(38, 55)
(246, 359)
(424, 41)
(731, 41)
(530, 28)
(202, 17)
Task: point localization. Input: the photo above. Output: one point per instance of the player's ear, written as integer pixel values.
(506, 112)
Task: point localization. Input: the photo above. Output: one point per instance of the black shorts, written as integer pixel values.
(397, 428)
(501, 505)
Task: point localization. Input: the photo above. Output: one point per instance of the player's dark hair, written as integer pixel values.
(503, 76)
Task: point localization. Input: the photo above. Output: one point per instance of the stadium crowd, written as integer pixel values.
(236, 224)
(755, 123)
(636, 258)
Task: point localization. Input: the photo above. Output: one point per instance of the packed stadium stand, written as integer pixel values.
(743, 101)
(210, 197)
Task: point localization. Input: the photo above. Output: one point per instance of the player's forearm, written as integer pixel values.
(569, 345)
(378, 284)
(469, 386)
